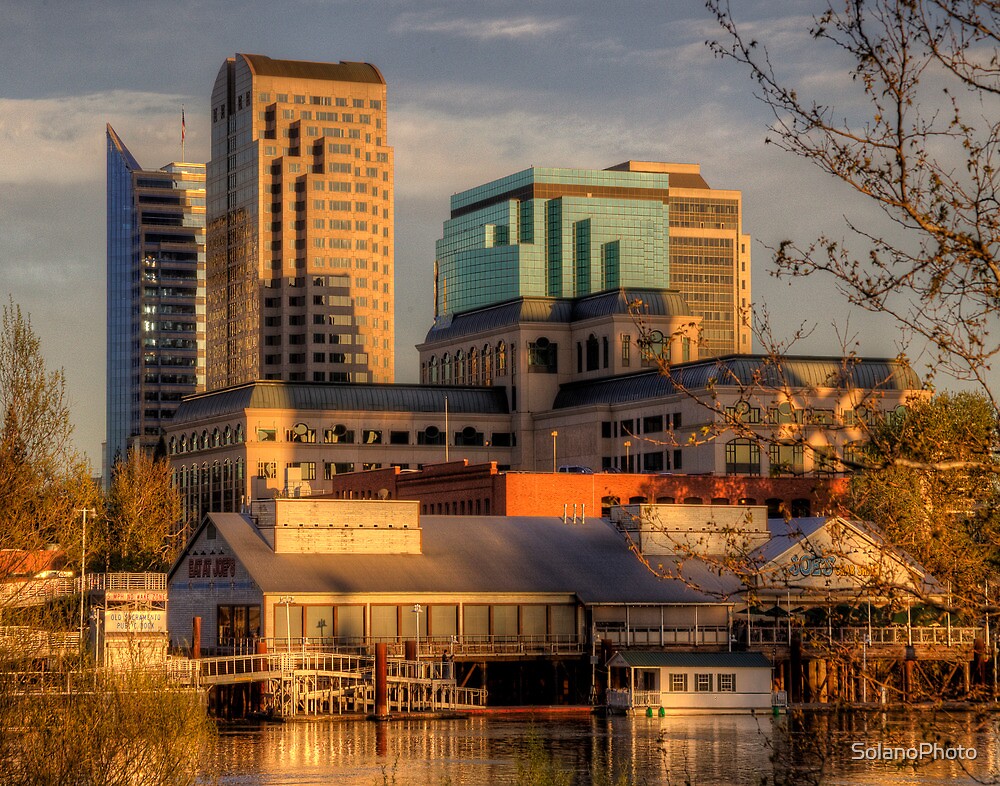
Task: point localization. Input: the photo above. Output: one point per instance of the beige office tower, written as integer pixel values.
(709, 255)
(300, 224)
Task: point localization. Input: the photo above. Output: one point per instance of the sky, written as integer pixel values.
(476, 91)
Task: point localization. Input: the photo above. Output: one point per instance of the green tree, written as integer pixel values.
(911, 129)
(143, 515)
(931, 485)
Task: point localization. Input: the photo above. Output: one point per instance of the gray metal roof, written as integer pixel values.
(513, 312)
(263, 65)
(786, 535)
(707, 660)
(489, 554)
(341, 397)
(650, 302)
(750, 371)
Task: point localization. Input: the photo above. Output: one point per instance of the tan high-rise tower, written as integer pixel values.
(300, 224)
(709, 255)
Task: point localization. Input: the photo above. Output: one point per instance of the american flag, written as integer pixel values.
(183, 126)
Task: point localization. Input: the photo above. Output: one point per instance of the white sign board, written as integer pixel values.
(137, 596)
(135, 621)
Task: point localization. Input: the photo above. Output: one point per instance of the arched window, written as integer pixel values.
(240, 436)
(227, 436)
(742, 457)
(473, 366)
(487, 364)
(216, 438)
(459, 367)
(446, 369)
(173, 446)
(502, 359)
(432, 370)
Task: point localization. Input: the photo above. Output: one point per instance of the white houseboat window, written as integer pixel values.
(679, 682)
(727, 683)
(703, 683)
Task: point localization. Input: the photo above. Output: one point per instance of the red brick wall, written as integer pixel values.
(542, 494)
(457, 488)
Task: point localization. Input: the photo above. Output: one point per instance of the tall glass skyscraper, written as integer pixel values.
(573, 232)
(155, 296)
(300, 224)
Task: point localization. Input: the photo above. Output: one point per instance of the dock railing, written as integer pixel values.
(857, 635)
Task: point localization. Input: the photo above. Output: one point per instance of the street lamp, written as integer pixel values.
(83, 566)
(287, 600)
(417, 611)
(554, 435)
(628, 466)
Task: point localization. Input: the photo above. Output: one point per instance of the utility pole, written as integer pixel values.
(83, 566)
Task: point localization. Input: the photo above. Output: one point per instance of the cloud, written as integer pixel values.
(60, 140)
(517, 27)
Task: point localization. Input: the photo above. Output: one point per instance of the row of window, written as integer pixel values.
(298, 98)
(303, 433)
(786, 412)
(475, 367)
(216, 438)
(703, 683)
(441, 621)
(631, 427)
(431, 435)
(743, 457)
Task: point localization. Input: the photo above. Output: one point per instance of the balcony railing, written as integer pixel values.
(430, 647)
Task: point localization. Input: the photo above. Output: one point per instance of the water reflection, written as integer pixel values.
(675, 750)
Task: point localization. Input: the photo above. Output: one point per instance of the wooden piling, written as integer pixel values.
(381, 682)
(196, 638)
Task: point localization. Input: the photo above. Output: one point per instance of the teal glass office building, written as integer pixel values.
(553, 232)
(575, 232)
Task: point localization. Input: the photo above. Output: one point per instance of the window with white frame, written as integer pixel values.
(727, 683)
(703, 683)
(678, 683)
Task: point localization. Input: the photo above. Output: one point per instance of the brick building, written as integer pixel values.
(461, 488)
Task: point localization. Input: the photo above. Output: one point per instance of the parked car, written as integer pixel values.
(576, 469)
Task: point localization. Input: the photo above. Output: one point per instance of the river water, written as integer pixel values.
(729, 749)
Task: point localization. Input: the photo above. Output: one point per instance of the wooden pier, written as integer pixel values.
(291, 684)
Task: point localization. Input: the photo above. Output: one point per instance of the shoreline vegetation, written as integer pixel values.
(100, 727)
